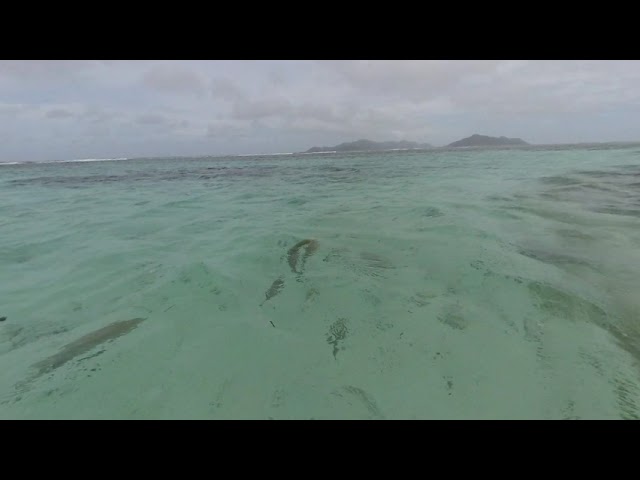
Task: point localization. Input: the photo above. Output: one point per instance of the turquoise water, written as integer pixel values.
(445, 284)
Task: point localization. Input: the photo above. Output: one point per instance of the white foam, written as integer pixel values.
(263, 154)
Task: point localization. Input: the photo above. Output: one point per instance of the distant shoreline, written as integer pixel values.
(541, 146)
(365, 145)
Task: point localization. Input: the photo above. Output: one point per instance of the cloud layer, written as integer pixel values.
(53, 110)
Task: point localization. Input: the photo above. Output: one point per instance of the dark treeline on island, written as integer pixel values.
(371, 146)
(485, 141)
(368, 145)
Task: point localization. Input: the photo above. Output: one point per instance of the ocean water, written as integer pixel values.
(468, 284)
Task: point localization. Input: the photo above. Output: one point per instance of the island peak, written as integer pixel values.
(364, 145)
(477, 140)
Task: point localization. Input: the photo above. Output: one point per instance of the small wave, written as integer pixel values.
(29, 162)
(90, 160)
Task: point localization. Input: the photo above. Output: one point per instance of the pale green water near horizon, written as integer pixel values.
(446, 285)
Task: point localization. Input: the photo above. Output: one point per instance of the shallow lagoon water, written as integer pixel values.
(445, 284)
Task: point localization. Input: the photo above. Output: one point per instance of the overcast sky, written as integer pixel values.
(52, 110)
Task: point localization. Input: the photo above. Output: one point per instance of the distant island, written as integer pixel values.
(485, 141)
(368, 145)
(371, 146)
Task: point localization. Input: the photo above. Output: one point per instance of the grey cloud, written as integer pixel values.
(496, 86)
(100, 115)
(550, 87)
(226, 89)
(175, 79)
(277, 78)
(151, 119)
(42, 69)
(12, 108)
(314, 125)
(163, 123)
(223, 129)
(353, 120)
(59, 113)
(322, 112)
(38, 111)
(415, 79)
(253, 109)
